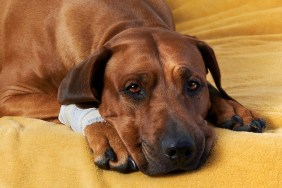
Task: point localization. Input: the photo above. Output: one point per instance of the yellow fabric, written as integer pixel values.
(247, 38)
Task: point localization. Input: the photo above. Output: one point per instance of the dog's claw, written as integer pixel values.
(257, 126)
(132, 164)
(262, 123)
(129, 166)
(104, 163)
(237, 119)
(110, 155)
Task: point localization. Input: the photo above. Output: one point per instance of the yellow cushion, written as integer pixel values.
(247, 38)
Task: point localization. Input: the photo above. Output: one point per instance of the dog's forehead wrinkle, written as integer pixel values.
(157, 51)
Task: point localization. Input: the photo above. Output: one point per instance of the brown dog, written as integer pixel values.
(124, 57)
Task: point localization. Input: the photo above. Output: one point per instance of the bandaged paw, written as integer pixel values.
(78, 118)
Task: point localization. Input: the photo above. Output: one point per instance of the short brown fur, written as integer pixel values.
(99, 48)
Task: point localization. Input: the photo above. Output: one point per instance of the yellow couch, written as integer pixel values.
(247, 38)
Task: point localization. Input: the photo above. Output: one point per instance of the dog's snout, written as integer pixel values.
(179, 150)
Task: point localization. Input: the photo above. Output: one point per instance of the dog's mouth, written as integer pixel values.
(158, 163)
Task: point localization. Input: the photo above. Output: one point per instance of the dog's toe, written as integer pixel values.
(234, 122)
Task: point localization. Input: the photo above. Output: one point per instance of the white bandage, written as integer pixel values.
(78, 118)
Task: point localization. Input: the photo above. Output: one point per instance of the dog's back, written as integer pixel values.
(40, 41)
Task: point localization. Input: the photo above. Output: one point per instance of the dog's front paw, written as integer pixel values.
(108, 149)
(230, 114)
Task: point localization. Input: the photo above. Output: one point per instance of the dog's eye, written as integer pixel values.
(134, 89)
(193, 86)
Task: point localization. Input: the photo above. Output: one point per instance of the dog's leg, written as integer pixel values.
(230, 114)
(42, 106)
(109, 152)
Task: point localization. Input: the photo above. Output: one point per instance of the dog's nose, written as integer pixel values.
(181, 151)
(178, 150)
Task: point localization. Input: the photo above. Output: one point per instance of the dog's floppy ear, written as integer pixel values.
(83, 85)
(212, 65)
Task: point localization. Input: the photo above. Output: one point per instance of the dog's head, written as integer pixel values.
(151, 86)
